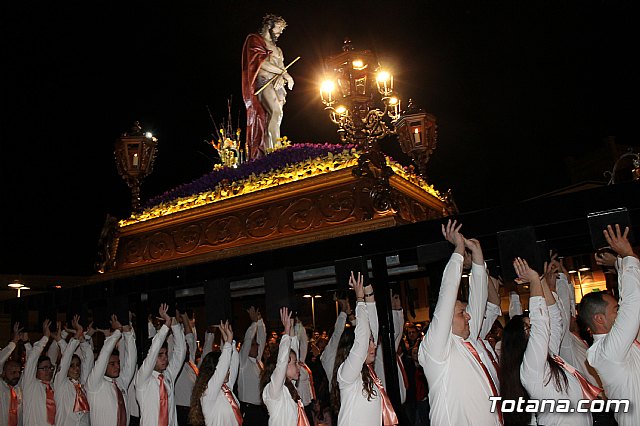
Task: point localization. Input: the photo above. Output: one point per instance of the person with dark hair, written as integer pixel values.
(357, 393)
(110, 377)
(155, 380)
(263, 69)
(615, 353)
(251, 365)
(212, 400)
(10, 392)
(530, 365)
(72, 404)
(328, 355)
(39, 402)
(281, 370)
(459, 371)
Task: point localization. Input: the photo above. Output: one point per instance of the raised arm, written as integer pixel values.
(328, 356)
(149, 363)
(303, 340)
(249, 335)
(6, 352)
(478, 288)
(235, 365)
(351, 369)
(493, 310)
(95, 377)
(179, 350)
(31, 365)
(435, 343)
(625, 328)
(276, 385)
(208, 344)
(65, 362)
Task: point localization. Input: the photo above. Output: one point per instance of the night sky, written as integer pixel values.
(516, 87)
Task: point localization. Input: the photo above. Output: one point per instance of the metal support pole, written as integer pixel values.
(385, 320)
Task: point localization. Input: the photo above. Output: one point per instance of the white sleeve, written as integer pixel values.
(351, 368)
(478, 293)
(86, 358)
(65, 362)
(176, 361)
(435, 344)
(97, 372)
(328, 356)
(145, 370)
(128, 359)
(535, 356)
(6, 352)
(618, 341)
(279, 373)
(235, 366)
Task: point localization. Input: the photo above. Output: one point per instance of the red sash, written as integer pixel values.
(163, 414)
(308, 370)
(81, 404)
(51, 404)
(389, 417)
(302, 416)
(13, 408)
(589, 391)
(232, 401)
(494, 389)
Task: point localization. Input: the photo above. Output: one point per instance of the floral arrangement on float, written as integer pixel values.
(289, 162)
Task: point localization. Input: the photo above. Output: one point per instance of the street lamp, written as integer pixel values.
(135, 153)
(417, 132)
(313, 307)
(350, 93)
(17, 285)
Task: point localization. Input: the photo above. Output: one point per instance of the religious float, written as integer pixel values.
(295, 194)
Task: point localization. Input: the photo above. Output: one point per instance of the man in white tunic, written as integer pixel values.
(459, 384)
(156, 377)
(110, 377)
(615, 353)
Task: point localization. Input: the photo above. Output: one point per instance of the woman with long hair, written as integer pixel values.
(356, 391)
(72, 406)
(212, 401)
(527, 368)
(276, 382)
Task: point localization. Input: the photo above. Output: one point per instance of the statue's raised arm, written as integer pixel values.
(264, 75)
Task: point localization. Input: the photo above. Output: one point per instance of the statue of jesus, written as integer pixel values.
(263, 79)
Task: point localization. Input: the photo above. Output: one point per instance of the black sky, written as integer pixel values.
(516, 87)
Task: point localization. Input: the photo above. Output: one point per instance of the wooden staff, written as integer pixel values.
(276, 76)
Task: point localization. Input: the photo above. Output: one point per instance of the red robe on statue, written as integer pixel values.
(254, 53)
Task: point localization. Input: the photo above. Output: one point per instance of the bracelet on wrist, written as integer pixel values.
(359, 299)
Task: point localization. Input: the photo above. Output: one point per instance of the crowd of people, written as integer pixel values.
(470, 365)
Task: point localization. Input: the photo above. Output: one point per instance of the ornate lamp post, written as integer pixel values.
(135, 153)
(418, 135)
(350, 94)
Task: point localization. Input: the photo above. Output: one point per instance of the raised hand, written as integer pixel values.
(253, 314)
(618, 241)
(162, 311)
(524, 271)
(551, 273)
(604, 258)
(226, 331)
(115, 324)
(45, 328)
(451, 233)
(57, 335)
(285, 317)
(473, 246)
(357, 284)
(16, 333)
(75, 323)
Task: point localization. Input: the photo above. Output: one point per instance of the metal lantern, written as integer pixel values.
(135, 153)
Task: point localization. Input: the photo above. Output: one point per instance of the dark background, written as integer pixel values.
(516, 86)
